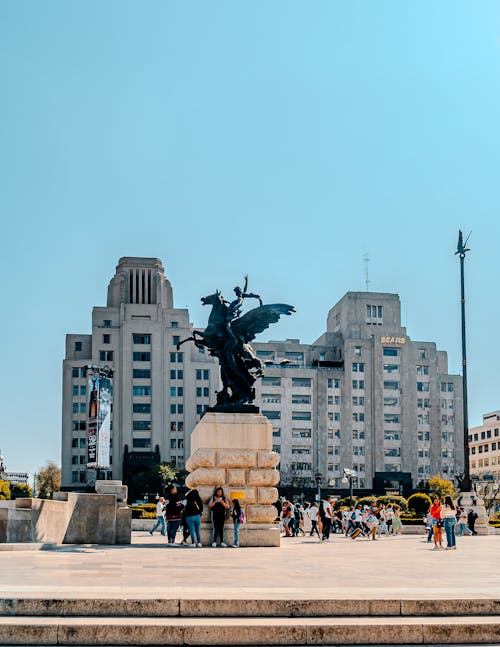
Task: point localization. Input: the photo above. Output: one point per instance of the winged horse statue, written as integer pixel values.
(228, 335)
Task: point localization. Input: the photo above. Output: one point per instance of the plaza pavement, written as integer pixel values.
(397, 568)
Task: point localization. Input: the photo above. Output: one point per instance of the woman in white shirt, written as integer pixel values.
(449, 516)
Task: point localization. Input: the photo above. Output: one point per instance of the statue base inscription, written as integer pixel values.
(234, 450)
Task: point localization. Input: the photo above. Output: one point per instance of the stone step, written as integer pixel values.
(234, 607)
(30, 630)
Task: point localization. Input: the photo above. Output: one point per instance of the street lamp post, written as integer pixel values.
(466, 484)
(318, 477)
(350, 475)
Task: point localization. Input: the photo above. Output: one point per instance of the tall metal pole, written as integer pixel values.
(466, 481)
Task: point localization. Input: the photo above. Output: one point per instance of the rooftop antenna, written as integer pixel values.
(366, 261)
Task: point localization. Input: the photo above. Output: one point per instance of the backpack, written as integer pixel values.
(241, 516)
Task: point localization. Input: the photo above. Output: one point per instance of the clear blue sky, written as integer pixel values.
(282, 139)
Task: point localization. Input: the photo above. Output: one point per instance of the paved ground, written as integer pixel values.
(394, 567)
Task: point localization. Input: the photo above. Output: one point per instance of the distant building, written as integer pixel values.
(484, 447)
(364, 396)
(14, 478)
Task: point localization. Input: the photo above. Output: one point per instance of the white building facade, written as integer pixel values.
(364, 396)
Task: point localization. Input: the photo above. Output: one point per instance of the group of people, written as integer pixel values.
(172, 512)
(454, 520)
(321, 519)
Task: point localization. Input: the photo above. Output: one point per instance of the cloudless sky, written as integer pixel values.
(279, 139)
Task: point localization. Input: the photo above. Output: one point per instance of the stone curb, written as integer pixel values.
(245, 631)
(193, 608)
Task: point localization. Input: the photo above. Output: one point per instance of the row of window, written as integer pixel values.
(485, 448)
(488, 433)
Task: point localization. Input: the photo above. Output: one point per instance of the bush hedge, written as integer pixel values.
(143, 511)
(400, 501)
(420, 503)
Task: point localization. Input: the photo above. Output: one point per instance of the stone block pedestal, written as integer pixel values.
(234, 451)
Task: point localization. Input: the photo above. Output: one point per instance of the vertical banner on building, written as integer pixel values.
(99, 422)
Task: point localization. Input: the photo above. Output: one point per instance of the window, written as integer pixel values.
(447, 387)
(83, 407)
(141, 339)
(301, 381)
(392, 418)
(106, 339)
(301, 433)
(141, 425)
(374, 315)
(206, 374)
(173, 391)
(139, 373)
(300, 450)
(357, 351)
(391, 435)
(358, 417)
(422, 353)
(272, 415)
(358, 366)
(74, 442)
(83, 443)
(333, 384)
(83, 372)
(423, 370)
(423, 386)
(423, 403)
(301, 415)
(423, 435)
(392, 451)
(141, 357)
(271, 381)
(107, 323)
(141, 408)
(74, 372)
(276, 432)
(74, 460)
(391, 368)
(106, 355)
(175, 340)
(75, 390)
(141, 390)
(391, 386)
(391, 402)
(271, 398)
(174, 324)
(78, 346)
(300, 399)
(391, 352)
(141, 443)
(199, 409)
(75, 407)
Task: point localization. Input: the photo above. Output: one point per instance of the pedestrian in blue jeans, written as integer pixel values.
(449, 516)
(238, 517)
(193, 507)
(160, 517)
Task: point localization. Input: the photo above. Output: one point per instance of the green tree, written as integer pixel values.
(4, 489)
(20, 491)
(167, 472)
(48, 480)
(440, 488)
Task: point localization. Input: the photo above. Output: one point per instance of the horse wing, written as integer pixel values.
(258, 319)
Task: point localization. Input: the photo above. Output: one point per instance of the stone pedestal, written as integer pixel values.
(234, 451)
(472, 500)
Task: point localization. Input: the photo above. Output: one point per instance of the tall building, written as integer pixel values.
(364, 396)
(158, 392)
(484, 447)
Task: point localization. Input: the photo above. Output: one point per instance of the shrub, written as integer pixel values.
(420, 503)
(143, 511)
(345, 502)
(400, 501)
(4, 489)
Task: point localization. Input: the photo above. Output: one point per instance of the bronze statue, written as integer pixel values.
(228, 336)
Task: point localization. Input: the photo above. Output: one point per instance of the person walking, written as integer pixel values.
(314, 513)
(326, 518)
(397, 524)
(462, 523)
(307, 525)
(238, 517)
(449, 516)
(160, 517)
(193, 508)
(218, 505)
(471, 520)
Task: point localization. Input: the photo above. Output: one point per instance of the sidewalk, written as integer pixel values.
(403, 567)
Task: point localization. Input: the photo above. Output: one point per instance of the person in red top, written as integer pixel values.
(437, 524)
